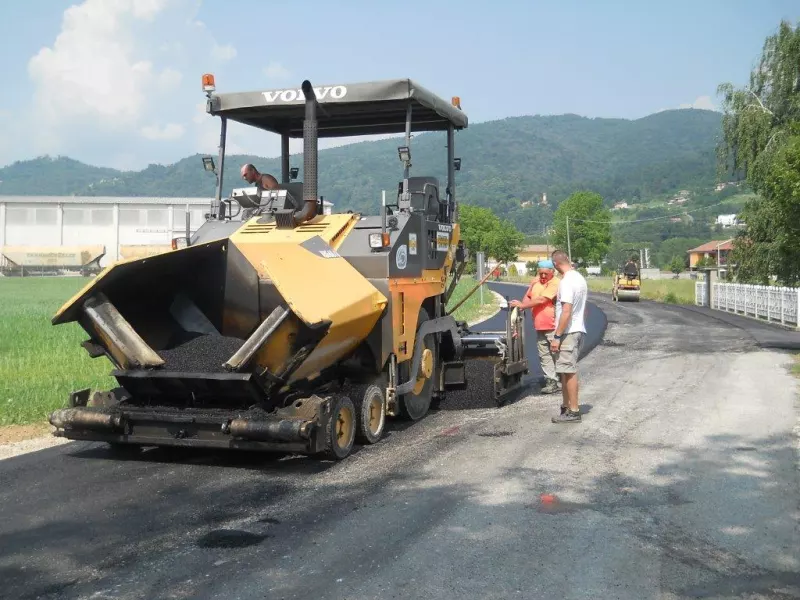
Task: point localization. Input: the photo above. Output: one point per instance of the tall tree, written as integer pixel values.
(761, 138)
(505, 242)
(483, 231)
(589, 226)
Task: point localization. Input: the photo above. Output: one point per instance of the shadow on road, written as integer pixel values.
(130, 540)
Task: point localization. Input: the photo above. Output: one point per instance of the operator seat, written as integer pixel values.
(424, 195)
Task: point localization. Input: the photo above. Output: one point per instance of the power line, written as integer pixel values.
(686, 212)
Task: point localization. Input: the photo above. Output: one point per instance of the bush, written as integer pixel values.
(671, 298)
(531, 267)
(512, 270)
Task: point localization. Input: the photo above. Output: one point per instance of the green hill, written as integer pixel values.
(505, 163)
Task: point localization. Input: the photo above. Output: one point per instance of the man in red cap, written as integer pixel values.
(541, 298)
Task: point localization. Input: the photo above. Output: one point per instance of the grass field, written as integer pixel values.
(472, 309)
(40, 364)
(675, 291)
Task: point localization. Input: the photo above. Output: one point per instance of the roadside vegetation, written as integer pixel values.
(673, 291)
(40, 364)
(472, 310)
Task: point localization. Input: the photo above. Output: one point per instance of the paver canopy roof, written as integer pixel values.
(377, 107)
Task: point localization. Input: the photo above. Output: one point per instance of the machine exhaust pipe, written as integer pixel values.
(310, 139)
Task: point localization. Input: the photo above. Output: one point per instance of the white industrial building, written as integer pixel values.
(118, 223)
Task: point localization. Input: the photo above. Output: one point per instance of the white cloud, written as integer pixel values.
(275, 70)
(223, 52)
(171, 131)
(91, 70)
(169, 79)
(702, 102)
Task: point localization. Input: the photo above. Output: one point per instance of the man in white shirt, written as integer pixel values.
(569, 334)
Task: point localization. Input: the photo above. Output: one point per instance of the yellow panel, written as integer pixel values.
(317, 288)
(327, 227)
(414, 291)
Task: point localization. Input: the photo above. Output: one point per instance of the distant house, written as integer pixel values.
(620, 205)
(709, 251)
(531, 253)
(720, 186)
(727, 220)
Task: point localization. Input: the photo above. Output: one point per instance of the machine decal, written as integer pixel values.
(412, 243)
(318, 246)
(336, 92)
(401, 258)
(442, 241)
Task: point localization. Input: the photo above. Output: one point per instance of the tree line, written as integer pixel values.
(761, 140)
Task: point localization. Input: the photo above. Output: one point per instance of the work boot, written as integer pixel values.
(567, 416)
(551, 387)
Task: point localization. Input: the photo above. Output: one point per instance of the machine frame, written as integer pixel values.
(415, 351)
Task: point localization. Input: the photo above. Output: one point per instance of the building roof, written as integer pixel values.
(712, 246)
(166, 201)
(376, 107)
(102, 200)
(537, 249)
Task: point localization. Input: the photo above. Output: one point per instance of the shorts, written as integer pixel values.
(569, 352)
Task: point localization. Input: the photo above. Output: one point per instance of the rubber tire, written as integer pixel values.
(332, 449)
(419, 405)
(363, 433)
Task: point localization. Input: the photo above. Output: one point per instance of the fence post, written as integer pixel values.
(783, 306)
(797, 304)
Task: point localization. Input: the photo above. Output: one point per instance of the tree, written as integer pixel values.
(761, 138)
(483, 231)
(676, 265)
(589, 226)
(477, 224)
(505, 242)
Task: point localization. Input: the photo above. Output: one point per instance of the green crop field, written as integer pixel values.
(41, 363)
(676, 291)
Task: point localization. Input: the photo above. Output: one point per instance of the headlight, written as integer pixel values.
(375, 241)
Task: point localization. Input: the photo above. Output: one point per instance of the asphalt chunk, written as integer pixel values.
(230, 538)
(201, 354)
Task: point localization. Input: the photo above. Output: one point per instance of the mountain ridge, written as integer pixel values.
(506, 163)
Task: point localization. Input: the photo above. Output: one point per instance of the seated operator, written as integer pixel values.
(262, 181)
(630, 269)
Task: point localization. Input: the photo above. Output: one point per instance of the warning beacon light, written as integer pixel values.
(208, 83)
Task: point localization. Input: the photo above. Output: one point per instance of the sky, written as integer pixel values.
(117, 83)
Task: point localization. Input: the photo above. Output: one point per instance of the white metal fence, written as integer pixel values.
(771, 303)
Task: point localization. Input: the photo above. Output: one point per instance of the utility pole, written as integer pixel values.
(569, 246)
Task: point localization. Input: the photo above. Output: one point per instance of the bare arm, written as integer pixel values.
(563, 322)
(528, 302)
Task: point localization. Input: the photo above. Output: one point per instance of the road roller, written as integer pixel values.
(279, 326)
(627, 286)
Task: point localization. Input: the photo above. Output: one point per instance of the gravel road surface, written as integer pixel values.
(681, 482)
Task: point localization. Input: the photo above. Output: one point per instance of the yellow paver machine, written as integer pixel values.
(277, 327)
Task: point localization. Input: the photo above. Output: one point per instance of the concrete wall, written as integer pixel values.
(87, 223)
